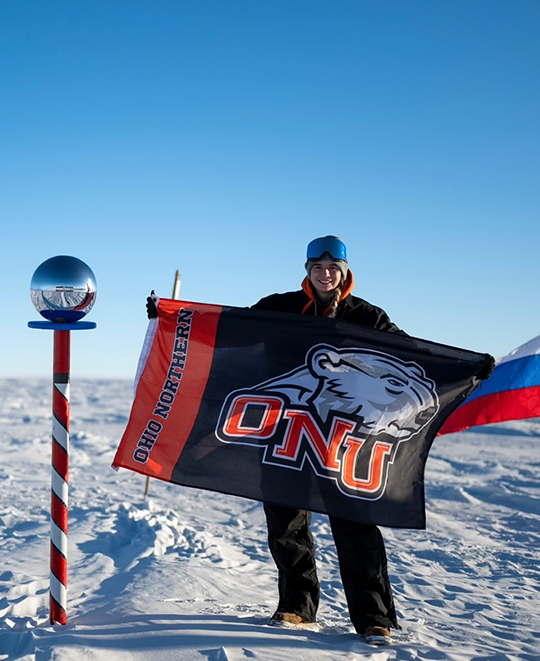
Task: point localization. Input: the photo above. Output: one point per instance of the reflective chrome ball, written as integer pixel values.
(63, 289)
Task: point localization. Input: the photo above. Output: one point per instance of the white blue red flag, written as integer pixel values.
(295, 410)
(511, 393)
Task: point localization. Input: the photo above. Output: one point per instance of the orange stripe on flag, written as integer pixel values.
(170, 388)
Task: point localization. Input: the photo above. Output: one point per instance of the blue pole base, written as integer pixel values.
(52, 325)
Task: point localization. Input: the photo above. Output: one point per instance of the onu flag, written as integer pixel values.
(302, 411)
(512, 392)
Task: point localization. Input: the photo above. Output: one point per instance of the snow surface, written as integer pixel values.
(186, 575)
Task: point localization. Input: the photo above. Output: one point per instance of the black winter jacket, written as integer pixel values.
(351, 308)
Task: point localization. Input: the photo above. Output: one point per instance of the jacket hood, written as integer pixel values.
(309, 290)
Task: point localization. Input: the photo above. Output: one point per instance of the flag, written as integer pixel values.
(512, 392)
(307, 412)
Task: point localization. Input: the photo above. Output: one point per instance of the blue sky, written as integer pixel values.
(218, 137)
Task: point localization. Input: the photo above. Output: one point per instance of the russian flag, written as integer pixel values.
(512, 392)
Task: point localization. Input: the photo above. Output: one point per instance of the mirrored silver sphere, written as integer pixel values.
(63, 289)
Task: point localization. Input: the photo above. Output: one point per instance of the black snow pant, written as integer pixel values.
(362, 564)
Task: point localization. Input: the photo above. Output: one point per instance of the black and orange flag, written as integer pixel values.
(312, 413)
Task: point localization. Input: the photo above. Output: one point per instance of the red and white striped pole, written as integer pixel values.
(63, 290)
(60, 464)
(59, 476)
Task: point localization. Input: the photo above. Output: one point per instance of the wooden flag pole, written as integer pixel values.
(176, 286)
(176, 297)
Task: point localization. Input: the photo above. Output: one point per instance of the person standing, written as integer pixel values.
(326, 292)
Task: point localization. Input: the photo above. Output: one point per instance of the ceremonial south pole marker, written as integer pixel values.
(63, 291)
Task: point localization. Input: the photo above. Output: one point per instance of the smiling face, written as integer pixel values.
(325, 276)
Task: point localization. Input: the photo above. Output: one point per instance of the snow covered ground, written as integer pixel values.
(186, 575)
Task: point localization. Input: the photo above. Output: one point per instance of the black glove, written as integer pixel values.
(151, 309)
(487, 368)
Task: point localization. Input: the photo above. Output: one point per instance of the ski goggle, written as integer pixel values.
(330, 244)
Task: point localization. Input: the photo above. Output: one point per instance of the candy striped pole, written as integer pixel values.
(60, 463)
(63, 291)
(59, 477)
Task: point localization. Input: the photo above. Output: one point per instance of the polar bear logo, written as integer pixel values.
(383, 393)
